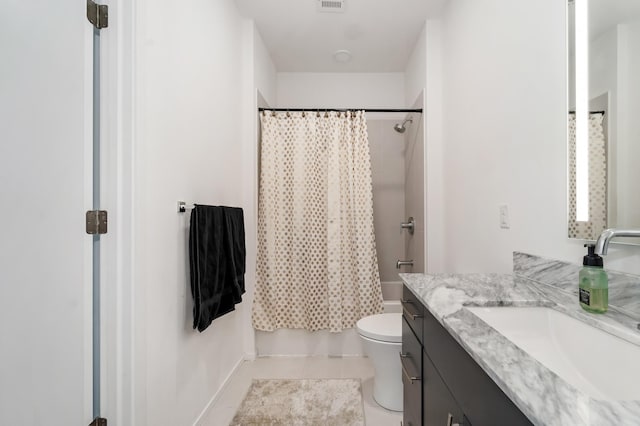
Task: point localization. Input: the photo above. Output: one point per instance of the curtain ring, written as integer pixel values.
(326, 114)
(273, 113)
(303, 114)
(263, 113)
(317, 113)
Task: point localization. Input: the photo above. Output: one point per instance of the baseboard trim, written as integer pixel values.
(216, 395)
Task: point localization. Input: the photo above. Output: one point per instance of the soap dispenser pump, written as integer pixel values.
(594, 287)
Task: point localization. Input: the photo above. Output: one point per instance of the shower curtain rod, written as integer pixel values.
(341, 110)
(591, 112)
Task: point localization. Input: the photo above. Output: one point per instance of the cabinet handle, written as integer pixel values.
(404, 369)
(410, 314)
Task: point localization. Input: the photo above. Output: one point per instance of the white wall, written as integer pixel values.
(259, 90)
(628, 109)
(603, 80)
(188, 146)
(416, 205)
(603, 61)
(265, 73)
(415, 190)
(340, 90)
(434, 150)
(423, 76)
(505, 130)
(415, 73)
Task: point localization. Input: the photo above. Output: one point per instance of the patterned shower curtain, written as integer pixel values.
(317, 266)
(591, 229)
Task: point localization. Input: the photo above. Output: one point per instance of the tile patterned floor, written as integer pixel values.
(222, 411)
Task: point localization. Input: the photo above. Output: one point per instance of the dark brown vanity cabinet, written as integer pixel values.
(446, 387)
(440, 407)
(411, 358)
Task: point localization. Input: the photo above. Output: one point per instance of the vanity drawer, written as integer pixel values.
(412, 311)
(481, 400)
(411, 361)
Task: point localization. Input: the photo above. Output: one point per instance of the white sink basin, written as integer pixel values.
(599, 364)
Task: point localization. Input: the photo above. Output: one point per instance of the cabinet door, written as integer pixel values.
(411, 359)
(477, 394)
(440, 408)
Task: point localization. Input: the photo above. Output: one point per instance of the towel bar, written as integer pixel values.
(182, 206)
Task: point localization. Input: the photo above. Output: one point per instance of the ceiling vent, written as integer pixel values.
(332, 6)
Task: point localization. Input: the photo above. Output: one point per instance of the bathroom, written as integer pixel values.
(182, 125)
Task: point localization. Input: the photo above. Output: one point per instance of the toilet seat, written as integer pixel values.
(381, 327)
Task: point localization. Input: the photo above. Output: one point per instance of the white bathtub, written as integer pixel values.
(293, 342)
(392, 306)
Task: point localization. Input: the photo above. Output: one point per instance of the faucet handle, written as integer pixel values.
(410, 225)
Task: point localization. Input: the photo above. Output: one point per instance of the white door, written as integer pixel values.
(45, 188)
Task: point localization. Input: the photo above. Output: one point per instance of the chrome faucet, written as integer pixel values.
(602, 244)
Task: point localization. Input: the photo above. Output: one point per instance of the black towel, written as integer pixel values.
(217, 261)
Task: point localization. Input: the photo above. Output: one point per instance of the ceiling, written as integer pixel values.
(380, 34)
(604, 14)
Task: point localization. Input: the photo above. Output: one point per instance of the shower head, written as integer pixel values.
(400, 128)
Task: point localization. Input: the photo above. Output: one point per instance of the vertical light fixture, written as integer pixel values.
(582, 109)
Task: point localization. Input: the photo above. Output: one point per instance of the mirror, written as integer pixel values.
(604, 116)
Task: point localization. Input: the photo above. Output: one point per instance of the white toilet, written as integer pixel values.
(382, 341)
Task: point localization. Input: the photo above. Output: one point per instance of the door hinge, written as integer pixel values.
(96, 222)
(98, 421)
(98, 14)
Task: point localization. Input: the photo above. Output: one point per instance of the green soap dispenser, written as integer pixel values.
(594, 286)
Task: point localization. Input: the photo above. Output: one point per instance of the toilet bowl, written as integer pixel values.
(381, 337)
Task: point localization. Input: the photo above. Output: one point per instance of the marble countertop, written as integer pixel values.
(541, 395)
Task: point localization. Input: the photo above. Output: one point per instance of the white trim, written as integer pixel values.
(217, 395)
(249, 153)
(421, 102)
(117, 189)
